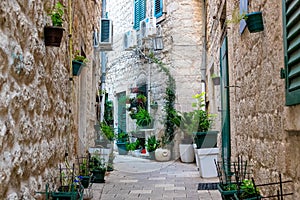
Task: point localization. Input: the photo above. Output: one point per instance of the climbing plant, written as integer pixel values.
(172, 118)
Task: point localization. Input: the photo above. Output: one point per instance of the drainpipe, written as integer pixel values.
(70, 36)
(203, 64)
(103, 69)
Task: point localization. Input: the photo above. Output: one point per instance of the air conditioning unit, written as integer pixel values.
(106, 34)
(129, 40)
(148, 28)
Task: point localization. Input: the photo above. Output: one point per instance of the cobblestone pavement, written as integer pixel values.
(138, 178)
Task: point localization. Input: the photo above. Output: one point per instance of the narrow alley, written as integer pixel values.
(138, 178)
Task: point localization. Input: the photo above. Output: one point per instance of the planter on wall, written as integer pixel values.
(77, 67)
(216, 80)
(255, 22)
(53, 35)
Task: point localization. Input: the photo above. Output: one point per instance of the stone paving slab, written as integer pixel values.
(138, 178)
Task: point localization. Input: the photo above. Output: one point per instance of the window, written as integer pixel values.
(158, 8)
(291, 37)
(139, 12)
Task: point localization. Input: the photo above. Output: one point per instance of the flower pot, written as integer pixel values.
(162, 154)
(216, 80)
(255, 22)
(85, 181)
(236, 196)
(186, 153)
(53, 35)
(66, 193)
(226, 194)
(98, 176)
(206, 139)
(122, 148)
(77, 67)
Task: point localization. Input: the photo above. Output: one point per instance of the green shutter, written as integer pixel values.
(225, 102)
(139, 12)
(158, 8)
(291, 27)
(105, 30)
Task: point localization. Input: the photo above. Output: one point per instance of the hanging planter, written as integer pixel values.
(77, 67)
(78, 63)
(54, 33)
(254, 22)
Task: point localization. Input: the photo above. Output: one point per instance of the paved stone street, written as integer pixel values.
(138, 178)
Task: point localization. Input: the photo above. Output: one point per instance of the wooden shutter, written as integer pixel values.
(291, 29)
(158, 8)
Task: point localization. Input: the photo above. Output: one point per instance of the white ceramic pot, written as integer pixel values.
(187, 154)
(162, 154)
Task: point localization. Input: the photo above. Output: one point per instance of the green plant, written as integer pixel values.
(141, 98)
(214, 76)
(130, 146)
(236, 17)
(248, 189)
(202, 120)
(171, 119)
(123, 137)
(152, 143)
(80, 58)
(57, 14)
(97, 163)
(107, 131)
(84, 168)
(143, 117)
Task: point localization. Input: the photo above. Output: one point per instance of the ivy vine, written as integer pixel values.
(172, 118)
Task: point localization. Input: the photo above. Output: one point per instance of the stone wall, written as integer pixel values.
(182, 53)
(263, 130)
(39, 105)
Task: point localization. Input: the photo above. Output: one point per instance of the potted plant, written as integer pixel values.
(98, 168)
(143, 118)
(141, 99)
(107, 131)
(70, 187)
(253, 20)
(216, 79)
(78, 62)
(122, 141)
(202, 122)
(247, 191)
(151, 145)
(53, 34)
(84, 172)
(188, 126)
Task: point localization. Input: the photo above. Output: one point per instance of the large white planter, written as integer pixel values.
(187, 154)
(162, 154)
(207, 157)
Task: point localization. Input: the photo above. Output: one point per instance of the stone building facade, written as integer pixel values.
(45, 112)
(262, 128)
(181, 25)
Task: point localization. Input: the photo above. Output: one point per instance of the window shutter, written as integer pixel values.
(291, 29)
(158, 8)
(139, 12)
(105, 31)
